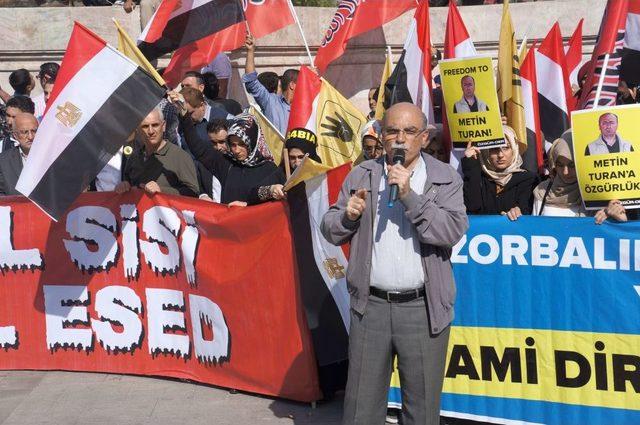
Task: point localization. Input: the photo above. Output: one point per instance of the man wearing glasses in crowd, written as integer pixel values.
(25, 127)
(399, 276)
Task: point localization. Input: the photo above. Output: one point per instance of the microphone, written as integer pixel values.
(398, 158)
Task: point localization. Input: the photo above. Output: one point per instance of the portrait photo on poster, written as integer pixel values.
(606, 148)
(471, 102)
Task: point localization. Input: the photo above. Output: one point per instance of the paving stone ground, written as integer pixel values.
(69, 398)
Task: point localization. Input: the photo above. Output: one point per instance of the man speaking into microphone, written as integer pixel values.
(399, 275)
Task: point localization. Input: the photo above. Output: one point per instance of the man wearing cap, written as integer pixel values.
(371, 144)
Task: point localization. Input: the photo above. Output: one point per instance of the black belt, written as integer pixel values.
(397, 296)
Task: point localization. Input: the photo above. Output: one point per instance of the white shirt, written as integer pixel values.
(396, 261)
(40, 105)
(553, 211)
(216, 189)
(110, 175)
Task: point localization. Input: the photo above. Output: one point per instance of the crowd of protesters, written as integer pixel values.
(224, 156)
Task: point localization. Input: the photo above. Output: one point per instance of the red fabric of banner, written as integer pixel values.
(354, 17)
(165, 286)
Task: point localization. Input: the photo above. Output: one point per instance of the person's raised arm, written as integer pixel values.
(472, 173)
(250, 64)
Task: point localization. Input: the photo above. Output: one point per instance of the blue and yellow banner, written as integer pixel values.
(547, 326)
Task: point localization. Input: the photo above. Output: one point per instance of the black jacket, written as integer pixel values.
(238, 183)
(480, 191)
(10, 169)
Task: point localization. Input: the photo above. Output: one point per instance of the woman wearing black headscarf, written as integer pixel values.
(245, 168)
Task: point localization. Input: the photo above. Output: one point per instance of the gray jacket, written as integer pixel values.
(440, 218)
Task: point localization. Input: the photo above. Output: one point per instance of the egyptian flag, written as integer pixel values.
(554, 92)
(573, 53)
(354, 17)
(197, 30)
(411, 78)
(99, 98)
(531, 110)
(631, 54)
(319, 107)
(322, 266)
(457, 44)
(606, 58)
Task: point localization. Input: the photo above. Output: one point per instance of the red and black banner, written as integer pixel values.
(165, 286)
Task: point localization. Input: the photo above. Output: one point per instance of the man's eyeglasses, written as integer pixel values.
(26, 132)
(394, 133)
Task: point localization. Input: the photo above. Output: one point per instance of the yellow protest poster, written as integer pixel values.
(606, 151)
(470, 96)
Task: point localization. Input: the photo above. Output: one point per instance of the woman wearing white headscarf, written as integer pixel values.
(559, 196)
(494, 182)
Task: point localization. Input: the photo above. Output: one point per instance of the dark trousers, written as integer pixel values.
(383, 330)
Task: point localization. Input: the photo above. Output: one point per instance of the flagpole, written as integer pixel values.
(603, 72)
(304, 39)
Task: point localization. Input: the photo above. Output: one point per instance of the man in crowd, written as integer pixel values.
(200, 111)
(212, 93)
(399, 277)
(46, 91)
(609, 140)
(22, 82)
(15, 106)
(469, 102)
(371, 144)
(48, 73)
(195, 80)
(217, 130)
(159, 166)
(25, 126)
(220, 66)
(270, 81)
(275, 107)
(373, 101)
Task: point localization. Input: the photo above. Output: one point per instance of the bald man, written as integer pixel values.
(399, 276)
(159, 166)
(469, 102)
(25, 126)
(609, 140)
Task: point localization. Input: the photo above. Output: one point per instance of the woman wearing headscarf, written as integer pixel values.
(247, 166)
(494, 182)
(559, 195)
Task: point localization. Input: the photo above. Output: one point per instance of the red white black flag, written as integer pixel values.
(99, 98)
(354, 17)
(197, 30)
(573, 52)
(554, 92)
(322, 266)
(608, 49)
(531, 108)
(631, 55)
(411, 78)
